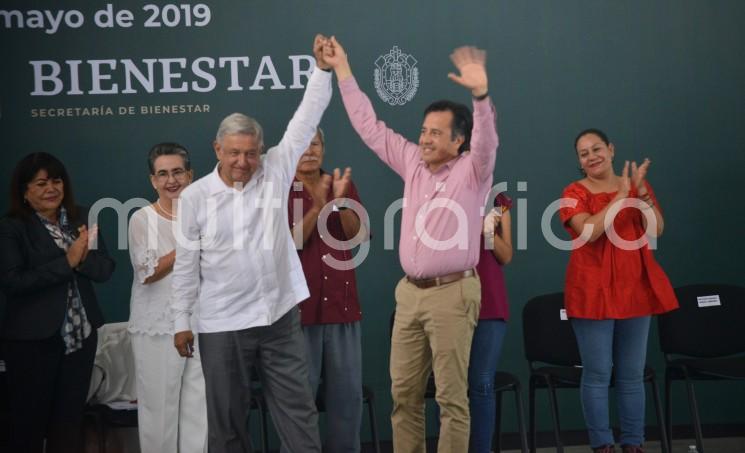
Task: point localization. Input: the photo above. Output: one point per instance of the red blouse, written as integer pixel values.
(604, 281)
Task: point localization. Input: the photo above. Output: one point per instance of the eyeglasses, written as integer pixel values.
(178, 174)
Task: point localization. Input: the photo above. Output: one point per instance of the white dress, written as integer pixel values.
(169, 387)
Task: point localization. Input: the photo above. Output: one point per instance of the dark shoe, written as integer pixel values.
(632, 449)
(604, 449)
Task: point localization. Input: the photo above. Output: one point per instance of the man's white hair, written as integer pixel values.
(238, 123)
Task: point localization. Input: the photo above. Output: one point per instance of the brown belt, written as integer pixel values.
(442, 280)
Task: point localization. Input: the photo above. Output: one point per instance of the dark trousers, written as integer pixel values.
(46, 393)
(278, 354)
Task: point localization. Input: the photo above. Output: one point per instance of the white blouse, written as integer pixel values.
(150, 237)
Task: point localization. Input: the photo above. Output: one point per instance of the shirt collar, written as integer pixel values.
(296, 180)
(216, 185)
(448, 165)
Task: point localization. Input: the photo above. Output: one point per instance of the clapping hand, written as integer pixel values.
(78, 250)
(625, 186)
(342, 182)
(320, 191)
(491, 221)
(471, 63)
(638, 174)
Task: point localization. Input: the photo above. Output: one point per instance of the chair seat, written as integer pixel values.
(715, 368)
(560, 375)
(505, 381)
(572, 376)
(122, 418)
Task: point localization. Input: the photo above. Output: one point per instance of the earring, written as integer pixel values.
(25, 200)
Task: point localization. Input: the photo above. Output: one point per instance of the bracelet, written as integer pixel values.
(482, 97)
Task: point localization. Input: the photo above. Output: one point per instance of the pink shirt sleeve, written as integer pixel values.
(484, 139)
(391, 147)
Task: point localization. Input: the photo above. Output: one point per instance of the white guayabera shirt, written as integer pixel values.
(236, 261)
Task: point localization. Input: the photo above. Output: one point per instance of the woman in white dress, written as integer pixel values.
(171, 405)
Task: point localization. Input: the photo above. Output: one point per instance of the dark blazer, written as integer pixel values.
(34, 276)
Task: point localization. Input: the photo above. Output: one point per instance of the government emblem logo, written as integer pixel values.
(396, 77)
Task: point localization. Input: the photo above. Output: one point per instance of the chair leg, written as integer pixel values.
(660, 417)
(497, 439)
(263, 429)
(555, 416)
(520, 419)
(532, 439)
(373, 423)
(99, 428)
(669, 409)
(695, 417)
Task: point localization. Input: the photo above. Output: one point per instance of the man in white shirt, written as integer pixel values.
(236, 263)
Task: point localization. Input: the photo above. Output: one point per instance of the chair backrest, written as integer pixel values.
(548, 338)
(709, 323)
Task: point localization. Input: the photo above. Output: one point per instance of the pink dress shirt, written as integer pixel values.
(442, 211)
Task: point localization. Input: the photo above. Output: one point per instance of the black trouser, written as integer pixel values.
(46, 393)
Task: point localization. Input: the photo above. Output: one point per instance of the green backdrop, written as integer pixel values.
(663, 78)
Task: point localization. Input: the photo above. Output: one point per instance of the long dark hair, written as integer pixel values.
(24, 173)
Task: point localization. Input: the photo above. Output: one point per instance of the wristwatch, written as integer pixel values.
(341, 204)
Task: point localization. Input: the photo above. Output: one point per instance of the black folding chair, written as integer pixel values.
(258, 402)
(106, 418)
(4, 409)
(550, 340)
(702, 341)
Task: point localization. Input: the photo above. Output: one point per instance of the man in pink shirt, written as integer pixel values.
(446, 179)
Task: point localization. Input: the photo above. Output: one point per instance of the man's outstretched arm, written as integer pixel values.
(302, 127)
(471, 65)
(392, 148)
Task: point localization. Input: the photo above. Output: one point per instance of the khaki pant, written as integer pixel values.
(433, 329)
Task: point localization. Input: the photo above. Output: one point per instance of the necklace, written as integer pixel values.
(163, 210)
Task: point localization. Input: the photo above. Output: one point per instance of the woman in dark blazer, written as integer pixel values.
(49, 259)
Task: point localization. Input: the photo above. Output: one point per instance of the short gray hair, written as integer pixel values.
(238, 123)
(167, 149)
(320, 133)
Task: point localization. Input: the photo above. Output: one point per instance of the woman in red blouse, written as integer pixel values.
(613, 285)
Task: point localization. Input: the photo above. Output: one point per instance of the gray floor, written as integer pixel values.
(125, 441)
(713, 445)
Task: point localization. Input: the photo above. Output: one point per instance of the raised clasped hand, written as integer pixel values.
(319, 43)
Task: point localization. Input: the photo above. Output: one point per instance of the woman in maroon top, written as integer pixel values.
(496, 251)
(613, 285)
